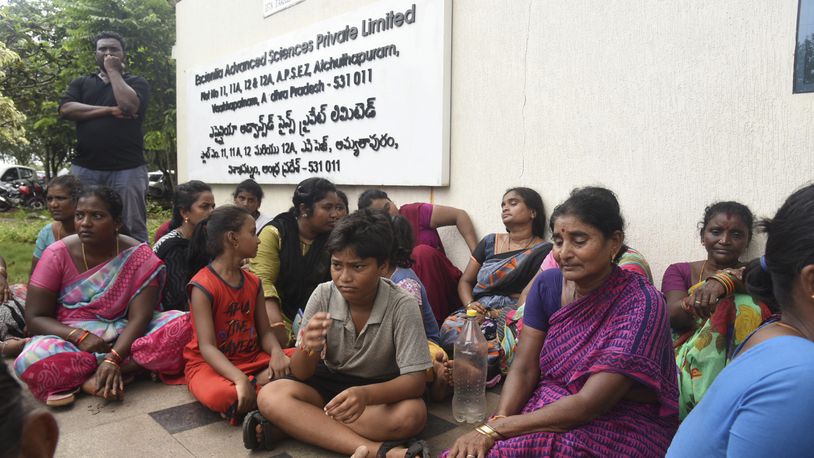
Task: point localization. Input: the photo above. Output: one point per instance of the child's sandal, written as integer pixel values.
(386, 446)
(250, 423)
(416, 448)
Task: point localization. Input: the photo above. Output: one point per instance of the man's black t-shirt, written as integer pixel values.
(108, 143)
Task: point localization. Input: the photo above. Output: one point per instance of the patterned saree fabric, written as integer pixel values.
(621, 327)
(704, 351)
(500, 279)
(98, 301)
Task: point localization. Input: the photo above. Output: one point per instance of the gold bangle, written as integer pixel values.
(725, 281)
(68, 337)
(278, 324)
(112, 363)
(487, 430)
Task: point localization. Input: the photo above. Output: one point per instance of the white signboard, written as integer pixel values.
(275, 6)
(359, 99)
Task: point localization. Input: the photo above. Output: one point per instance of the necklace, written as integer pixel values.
(85, 258)
(528, 242)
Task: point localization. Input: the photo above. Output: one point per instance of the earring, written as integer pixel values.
(186, 220)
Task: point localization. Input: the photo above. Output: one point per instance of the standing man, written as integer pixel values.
(109, 109)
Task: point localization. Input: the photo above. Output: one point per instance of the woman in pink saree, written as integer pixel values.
(92, 310)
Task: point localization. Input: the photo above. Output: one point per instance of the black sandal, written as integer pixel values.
(386, 447)
(416, 448)
(250, 423)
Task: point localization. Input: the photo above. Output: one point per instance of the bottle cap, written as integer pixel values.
(471, 312)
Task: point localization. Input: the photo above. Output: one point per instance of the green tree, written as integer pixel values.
(35, 30)
(12, 131)
(53, 38)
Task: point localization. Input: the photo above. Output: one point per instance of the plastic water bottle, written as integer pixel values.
(469, 372)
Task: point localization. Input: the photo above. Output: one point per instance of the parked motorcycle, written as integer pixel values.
(32, 194)
(10, 194)
(5, 203)
(22, 193)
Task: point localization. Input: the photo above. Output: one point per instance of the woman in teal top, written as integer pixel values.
(762, 403)
(61, 199)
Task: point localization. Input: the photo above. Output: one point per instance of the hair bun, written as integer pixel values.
(759, 284)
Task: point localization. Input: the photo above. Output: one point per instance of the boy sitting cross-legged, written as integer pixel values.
(358, 372)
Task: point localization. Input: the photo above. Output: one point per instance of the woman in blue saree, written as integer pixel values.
(500, 267)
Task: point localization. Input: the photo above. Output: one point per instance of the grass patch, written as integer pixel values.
(18, 260)
(18, 233)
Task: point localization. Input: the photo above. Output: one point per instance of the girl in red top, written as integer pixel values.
(232, 353)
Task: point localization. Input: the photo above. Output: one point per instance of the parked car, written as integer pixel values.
(12, 173)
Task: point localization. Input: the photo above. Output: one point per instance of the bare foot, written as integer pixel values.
(361, 452)
(13, 346)
(276, 435)
(396, 452)
(89, 387)
(442, 369)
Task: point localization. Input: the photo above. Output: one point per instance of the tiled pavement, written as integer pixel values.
(157, 420)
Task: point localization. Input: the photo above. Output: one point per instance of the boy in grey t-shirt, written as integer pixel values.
(358, 371)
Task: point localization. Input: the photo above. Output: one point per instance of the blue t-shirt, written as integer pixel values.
(430, 325)
(545, 298)
(44, 238)
(761, 404)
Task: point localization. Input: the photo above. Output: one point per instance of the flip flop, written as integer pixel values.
(61, 399)
(250, 423)
(418, 449)
(386, 447)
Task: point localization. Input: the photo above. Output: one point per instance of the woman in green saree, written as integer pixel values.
(710, 312)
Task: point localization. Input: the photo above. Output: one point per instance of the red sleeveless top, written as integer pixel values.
(232, 314)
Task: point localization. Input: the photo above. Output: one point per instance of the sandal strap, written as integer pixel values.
(265, 426)
(417, 449)
(249, 430)
(386, 447)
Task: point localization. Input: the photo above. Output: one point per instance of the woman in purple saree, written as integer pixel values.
(594, 373)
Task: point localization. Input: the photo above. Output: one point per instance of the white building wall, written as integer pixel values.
(673, 105)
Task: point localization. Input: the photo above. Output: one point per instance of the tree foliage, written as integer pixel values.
(12, 131)
(54, 41)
